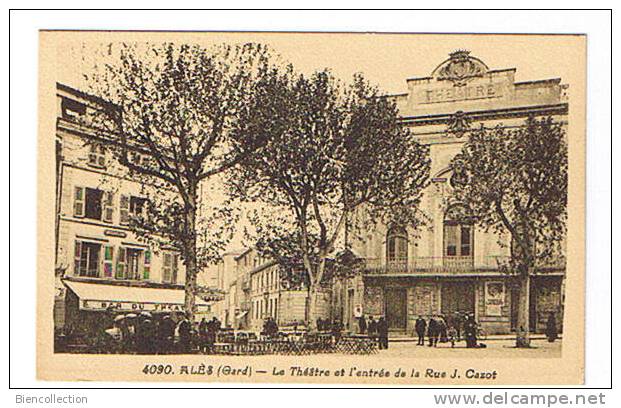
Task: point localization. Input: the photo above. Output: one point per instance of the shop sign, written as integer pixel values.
(114, 233)
(136, 306)
(494, 298)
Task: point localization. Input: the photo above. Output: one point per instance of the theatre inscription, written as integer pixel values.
(461, 93)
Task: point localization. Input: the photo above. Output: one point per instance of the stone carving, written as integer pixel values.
(458, 124)
(460, 68)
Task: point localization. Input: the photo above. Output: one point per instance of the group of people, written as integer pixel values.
(207, 334)
(270, 327)
(145, 333)
(439, 330)
(375, 328)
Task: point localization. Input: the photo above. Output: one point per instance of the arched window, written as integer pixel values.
(458, 232)
(397, 246)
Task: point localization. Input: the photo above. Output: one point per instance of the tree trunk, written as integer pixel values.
(313, 312)
(522, 339)
(190, 257)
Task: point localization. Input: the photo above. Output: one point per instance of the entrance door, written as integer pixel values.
(457, 297)
(396, 308)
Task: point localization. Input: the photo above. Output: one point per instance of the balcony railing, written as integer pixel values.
(447, 264)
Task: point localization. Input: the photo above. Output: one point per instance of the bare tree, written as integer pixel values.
(334, 152)
(515, 181)
(179, 121)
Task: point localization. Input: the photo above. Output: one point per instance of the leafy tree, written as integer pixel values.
(337, 155)
(177, 113)
(515, 181)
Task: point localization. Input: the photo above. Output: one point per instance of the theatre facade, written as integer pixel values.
(452, 266)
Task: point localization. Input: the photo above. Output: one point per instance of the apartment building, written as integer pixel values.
(101, 264)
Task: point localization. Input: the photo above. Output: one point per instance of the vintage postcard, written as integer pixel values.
(333, 208)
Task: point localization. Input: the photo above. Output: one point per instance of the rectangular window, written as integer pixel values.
(87, 259)
(134, 258)
(93, 203)
(108, 206)
(78, 202)
(97, 155)
(137, 206)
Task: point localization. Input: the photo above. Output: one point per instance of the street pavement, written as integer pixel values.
(496, 348)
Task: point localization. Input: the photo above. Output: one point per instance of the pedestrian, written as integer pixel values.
(114, 336)
(362, 324)
(184, 329)
(442, 330)
(337, 328)
(148, 333)
(372, 328)
(452, 335)
(458, 322)
(382, 331)
(470, 331)
(202, 335)
(432, 332)
(551, 329)
(166, 335)
(420, 327)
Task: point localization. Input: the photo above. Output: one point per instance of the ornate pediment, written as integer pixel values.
(460, 68)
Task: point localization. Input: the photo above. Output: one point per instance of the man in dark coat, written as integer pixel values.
(185, 340)
(470, 331)
(372, 328)
(166, 334)
(202, 334)
(420, 327)
(382, 332)
(148, 335)
(551, 330)
(362, 324)
(432, 332)
(458, 322)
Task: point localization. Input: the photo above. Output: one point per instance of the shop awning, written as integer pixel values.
(99, 296)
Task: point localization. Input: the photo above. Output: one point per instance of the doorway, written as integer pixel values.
(396, 308)
(457, 297)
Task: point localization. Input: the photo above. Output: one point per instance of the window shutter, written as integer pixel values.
(120, 263)
(124, 209)
(78, 202)
(101, 158)
(92, 155)
(167, 270)
(147, 264)
(77, 254)
(107, 260)
(108, 211)
(175, 262)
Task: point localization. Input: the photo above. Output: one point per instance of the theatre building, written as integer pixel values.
(451, 265)
(102, 267)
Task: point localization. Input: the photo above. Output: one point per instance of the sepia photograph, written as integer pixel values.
(311, 207)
